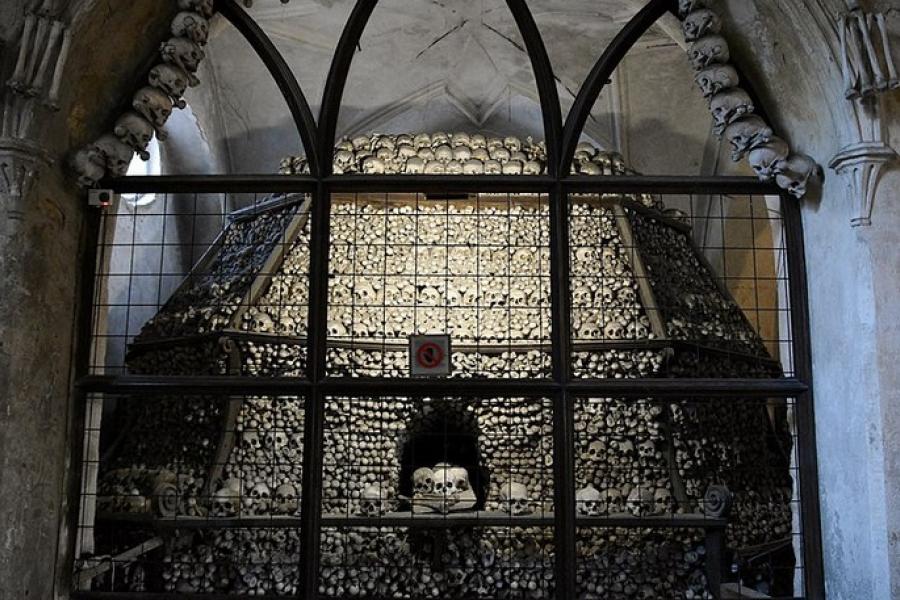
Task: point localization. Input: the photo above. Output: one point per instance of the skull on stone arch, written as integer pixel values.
(589, 502)
(192, 26)
(514, 496)
(700, 23)
(171, 79)
(794, 173)
(746, 134)
(423, 481)
(717, 78)
(709, 50)
(764, 158)
(728, 106)
(113, 153)
(135, 131)
(155, 105)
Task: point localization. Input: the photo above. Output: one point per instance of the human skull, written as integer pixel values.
(478, 141)
(185, 54)
(514, 496)
(709, 50)
(615, 500)
(473, 167)
(88, 171)
(728, 106)
(461, 139)
(614, 330)
(204, 7)
(662, 500)
(250, 441)
(746, 134)
(764, 157)
(512, 167)
(434, 167)
(172, 80)
(422, 140)
(460, 478)
(372, 501)
(286, 501)
(423, 481)
(225, 502)
(646, 450)
(415, 166)
(700, 23)
(589, 502)
(192, 26)
(154, 105)
(135, 131)
(259, 501)
(794, 173)
(113, 154)
(532, 167)
(513, 144)
(344, 162)
(596, 451)
(444, 482)
(493, 167)
(373, 166)
(717, 78)
(462, 153)
(641, 501)
(443, 153)
(439, 138)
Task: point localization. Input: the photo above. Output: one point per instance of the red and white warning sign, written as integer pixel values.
(429, 355)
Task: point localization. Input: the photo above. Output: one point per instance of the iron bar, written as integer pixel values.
(632, 388)
(283, 76)
(546, 81)
(600, 74)
(333, 96)
(806, 418)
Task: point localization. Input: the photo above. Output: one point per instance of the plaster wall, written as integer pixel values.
(790, 50)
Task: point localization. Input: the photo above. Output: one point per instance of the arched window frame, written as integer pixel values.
(561, 137)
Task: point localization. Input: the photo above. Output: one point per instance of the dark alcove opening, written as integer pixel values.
(447, 434)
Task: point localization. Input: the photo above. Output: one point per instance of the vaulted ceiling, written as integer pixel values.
(421, 65)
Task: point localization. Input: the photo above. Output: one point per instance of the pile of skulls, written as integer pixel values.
(732, 108)
(443, 489)
(458, 153)
(152, 104)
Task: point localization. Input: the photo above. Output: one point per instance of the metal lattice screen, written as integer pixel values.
(588, 457)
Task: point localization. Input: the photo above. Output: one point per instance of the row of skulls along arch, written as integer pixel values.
(731, 106)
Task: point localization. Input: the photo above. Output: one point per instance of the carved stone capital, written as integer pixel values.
(861, 165)
(20, 165)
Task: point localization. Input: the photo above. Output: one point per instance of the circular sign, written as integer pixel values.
(429, 355)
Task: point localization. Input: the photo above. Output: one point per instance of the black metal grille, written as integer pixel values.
(233, 366)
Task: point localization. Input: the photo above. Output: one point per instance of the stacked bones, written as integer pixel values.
(641, 458)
